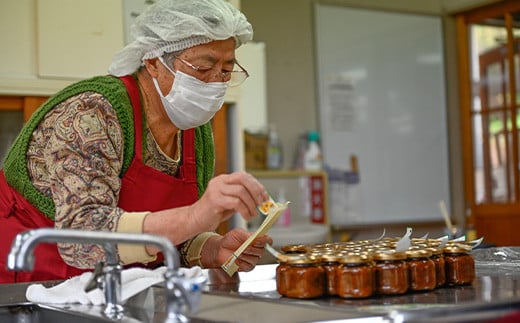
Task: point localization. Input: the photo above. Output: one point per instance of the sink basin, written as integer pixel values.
(299, 233)
(38, 313)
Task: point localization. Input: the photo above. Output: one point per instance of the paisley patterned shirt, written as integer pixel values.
(75, 156)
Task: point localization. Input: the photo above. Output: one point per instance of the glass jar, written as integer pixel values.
(330, 264)
(421, 270)
(440, 267)
(391, 272)
(460, 265)
(355, 276)
(300, 276)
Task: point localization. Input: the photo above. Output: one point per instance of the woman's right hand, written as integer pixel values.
(226, 195)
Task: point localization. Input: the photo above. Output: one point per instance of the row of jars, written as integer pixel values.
(363, 270)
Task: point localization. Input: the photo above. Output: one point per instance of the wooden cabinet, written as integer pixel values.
(14, 111)
(48, 44)
(77, 39)
(26, 104)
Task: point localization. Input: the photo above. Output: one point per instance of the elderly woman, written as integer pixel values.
(133, 151)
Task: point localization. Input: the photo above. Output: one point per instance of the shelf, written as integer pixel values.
(318, 194)
(286, 173)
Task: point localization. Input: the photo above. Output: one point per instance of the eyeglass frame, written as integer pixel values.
(207, 69)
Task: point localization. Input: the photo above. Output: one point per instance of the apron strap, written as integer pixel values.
(188, 168)
(133, 93)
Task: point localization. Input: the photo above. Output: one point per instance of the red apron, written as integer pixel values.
(142, 189)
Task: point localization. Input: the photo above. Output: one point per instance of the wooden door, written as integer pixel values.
(220, 136)
(489, 58)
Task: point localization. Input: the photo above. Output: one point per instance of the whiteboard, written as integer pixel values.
(381, 93)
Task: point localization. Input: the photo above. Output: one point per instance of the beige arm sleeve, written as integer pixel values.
(132, 222)
(194, 249)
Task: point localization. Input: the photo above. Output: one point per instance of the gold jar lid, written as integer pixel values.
(294, 248)
(350, 250)
(390, 239)
(383, 243)
(348, 244)
(422, 245)
(418, 253)
(299, 259)
(327, 245)
(456, 248)
(321, 250)
(433, 242)
(373, 249)
(389, 254)
(329, 257)
(435, 251)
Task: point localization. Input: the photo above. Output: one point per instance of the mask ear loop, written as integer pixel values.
(166, 65)
(157, 87)
(156, 83)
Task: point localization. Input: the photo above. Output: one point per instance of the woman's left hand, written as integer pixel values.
(219, 248)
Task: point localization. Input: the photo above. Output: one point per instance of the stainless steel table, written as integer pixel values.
(251, 297)
(495, 292)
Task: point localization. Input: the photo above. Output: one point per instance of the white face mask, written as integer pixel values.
(191, 102)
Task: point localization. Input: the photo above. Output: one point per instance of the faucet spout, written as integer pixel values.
(181, 293)
(21, 257)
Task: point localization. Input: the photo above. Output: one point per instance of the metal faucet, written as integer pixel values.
(182, 294)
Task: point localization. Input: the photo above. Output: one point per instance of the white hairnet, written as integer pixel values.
(173, 25)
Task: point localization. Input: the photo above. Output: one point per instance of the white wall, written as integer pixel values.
(286, 27)
(17, 26)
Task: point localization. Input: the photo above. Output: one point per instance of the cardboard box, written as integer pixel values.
(255, 150)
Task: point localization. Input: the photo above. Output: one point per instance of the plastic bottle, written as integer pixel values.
(313, 158)
(299, 155)
(312, 161)
(274, 149)
(285, 219)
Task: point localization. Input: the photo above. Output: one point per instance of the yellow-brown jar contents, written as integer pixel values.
(460, 265)
(391, 272)
(300, 276)
(355, 276)
(421, 270)
(330, 264)
(440, 266)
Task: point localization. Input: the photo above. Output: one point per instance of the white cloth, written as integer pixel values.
(133, 281)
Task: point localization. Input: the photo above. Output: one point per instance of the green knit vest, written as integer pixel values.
(113, 89)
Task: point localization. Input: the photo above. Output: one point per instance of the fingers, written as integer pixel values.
(254, 251)
(252, 255)
(234, 239)
(247, 263)
(239, 191)
(257, 247)
(252, 185)
(250, 258)
(250, 192)
(241, 201)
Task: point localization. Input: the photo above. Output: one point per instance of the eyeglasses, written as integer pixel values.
(234, 78)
